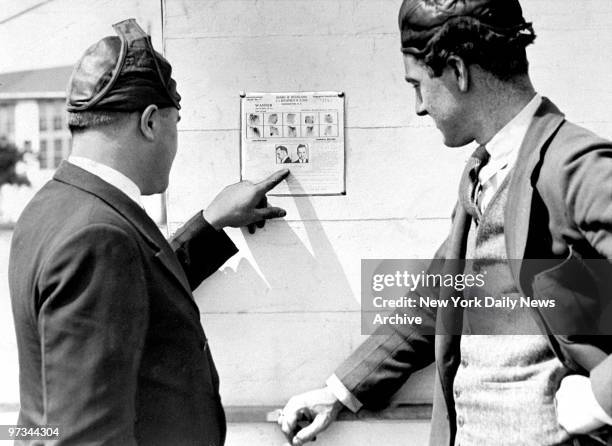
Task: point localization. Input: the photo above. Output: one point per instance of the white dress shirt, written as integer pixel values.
(110, 175)
(504, 148)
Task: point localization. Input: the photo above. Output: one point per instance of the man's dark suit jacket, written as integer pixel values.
(559, 207)
(110, 342)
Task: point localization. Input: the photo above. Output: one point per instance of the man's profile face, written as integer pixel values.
(438, 97)
(301, 152)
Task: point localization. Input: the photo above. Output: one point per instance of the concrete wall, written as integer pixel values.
(283, 312)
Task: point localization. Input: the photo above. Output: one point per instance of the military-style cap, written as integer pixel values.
(122, 73)
(420, 19)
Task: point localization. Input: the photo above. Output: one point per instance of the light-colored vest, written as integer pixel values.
(505, 386)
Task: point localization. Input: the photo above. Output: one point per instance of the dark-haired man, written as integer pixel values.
(282, 155)
(302, 154)
(111, 349)
(537, 187)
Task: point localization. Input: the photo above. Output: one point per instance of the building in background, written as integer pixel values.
(32, 114)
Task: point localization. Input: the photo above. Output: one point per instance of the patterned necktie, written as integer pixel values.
(468, 189)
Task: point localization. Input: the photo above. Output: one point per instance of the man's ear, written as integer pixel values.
(460, 71)
(148, 120)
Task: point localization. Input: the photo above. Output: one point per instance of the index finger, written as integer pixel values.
(272, 181)
(288, 423)
(310, 432)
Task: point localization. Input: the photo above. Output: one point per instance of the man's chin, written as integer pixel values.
(456, 142)
(453, 144)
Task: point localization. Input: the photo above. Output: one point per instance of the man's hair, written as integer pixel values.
(500, 53)
(80, 121)
(282, 149)
(301, 145)
(87, 120)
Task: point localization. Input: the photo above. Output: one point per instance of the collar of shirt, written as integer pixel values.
(505, 145)
(110, 175)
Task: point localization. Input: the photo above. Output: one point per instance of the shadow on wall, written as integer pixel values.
(281, 320)
(285, 274)
(316, 273)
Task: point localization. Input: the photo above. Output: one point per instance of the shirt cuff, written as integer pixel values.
(342, 393)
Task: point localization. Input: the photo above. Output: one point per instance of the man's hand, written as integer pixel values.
(245, 204)
(578, 411)
(318, 407)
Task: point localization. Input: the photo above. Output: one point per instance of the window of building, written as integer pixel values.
(7, 120)
(43, 155)
(10, 125)
(57, 122)
(42, 123)
(58, 154)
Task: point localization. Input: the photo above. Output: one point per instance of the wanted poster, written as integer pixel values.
(303, 132)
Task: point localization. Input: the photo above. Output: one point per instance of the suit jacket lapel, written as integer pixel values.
(450, 319)
(77, 177)
(545, 124)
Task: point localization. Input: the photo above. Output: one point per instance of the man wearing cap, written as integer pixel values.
(111, 349)
(537, 187)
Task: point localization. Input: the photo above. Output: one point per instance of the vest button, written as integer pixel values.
(460, 421)
(464, 362)
(457, 393)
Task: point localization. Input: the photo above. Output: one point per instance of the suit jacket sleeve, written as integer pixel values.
(92, 317)
(584, 188)
(381, 365)
(201, 249)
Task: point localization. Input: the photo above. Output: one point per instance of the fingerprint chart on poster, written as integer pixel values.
(292, 124)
